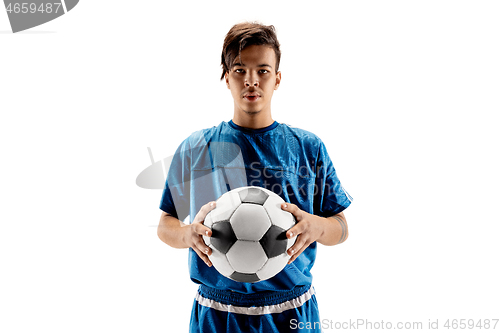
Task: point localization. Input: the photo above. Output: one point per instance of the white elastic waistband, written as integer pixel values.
(257, 310)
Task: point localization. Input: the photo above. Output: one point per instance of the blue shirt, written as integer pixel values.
(291, 162)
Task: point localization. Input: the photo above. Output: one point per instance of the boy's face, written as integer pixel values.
(253, 80)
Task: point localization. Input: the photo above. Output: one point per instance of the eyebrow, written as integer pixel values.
(261, 65)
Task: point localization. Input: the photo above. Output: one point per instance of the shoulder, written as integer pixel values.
(304, 137)
(203, 136)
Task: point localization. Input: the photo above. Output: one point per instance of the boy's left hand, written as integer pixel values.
(308, 230)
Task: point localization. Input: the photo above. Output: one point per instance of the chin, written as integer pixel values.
(251, 112)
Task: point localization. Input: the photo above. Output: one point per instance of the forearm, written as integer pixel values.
(335, 229)
(171, 231)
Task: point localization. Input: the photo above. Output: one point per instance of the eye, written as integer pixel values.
(263, 71)
(239, 70)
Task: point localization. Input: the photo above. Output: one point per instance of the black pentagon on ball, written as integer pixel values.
(223, 236)
(244, 277)
(274, 241)
(253, 195)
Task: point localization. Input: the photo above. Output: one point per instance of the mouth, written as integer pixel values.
(251, 97)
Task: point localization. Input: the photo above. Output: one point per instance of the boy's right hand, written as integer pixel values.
(193, 233)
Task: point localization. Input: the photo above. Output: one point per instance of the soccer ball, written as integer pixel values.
(248, 240)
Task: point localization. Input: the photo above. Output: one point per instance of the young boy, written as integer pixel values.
(253, 149)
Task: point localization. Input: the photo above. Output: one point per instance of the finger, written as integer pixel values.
(297, 253)
(200, 245)
(296, 230)
(202, 230)
(204, 210)
(293, 209)
(297, 213)
(300, 243)
(202, 256)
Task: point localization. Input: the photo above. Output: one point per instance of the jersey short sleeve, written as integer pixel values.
(331, 197)
(175, 198)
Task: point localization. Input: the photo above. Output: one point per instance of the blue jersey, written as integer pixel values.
(291, 162)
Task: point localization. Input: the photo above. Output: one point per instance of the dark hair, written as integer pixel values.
(245, 34)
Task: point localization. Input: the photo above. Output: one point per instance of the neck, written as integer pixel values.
(253, 120)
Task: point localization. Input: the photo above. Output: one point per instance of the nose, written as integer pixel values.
(251, 80)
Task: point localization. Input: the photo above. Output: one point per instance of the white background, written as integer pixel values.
(405, 95)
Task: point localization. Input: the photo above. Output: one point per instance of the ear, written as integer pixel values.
(278, 80)
(226, 78)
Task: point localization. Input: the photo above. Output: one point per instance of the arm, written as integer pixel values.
(178, 235)
(310, 228)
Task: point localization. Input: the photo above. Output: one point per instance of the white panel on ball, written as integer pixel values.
(273, 266)
(280, 218)
(208, 221)
(225, 206)
(265, 190)
(250, 222)
(246, 257)
(220, 262)
(206, 240)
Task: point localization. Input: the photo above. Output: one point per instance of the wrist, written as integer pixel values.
(322, 225)
(184, 234)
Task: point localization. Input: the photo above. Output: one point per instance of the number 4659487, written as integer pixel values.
(26, 8)
(485, 324)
